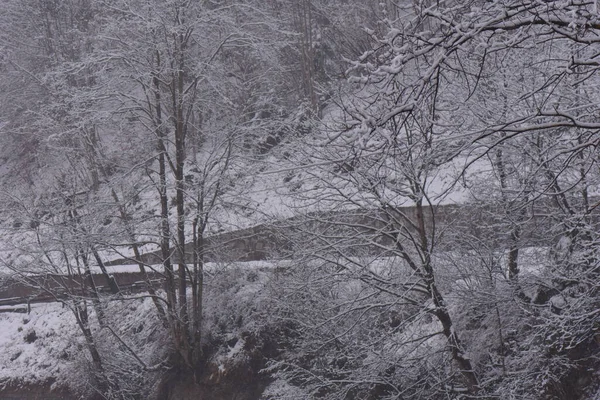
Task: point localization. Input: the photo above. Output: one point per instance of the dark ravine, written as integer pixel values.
(225, 381)
(41, 391)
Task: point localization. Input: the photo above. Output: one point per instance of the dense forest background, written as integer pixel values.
(428, 170)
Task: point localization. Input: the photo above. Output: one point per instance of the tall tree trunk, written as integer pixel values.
(441, 309)
(180, 131)
(456, 347)
(165, 230)
(197, 289)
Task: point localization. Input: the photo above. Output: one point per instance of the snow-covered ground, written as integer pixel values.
(46, 346)
(42, 346)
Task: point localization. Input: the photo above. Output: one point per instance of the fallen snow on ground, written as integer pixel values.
(42, 346)
(47, 346)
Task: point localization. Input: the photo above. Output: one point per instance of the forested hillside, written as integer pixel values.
(424, 174)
